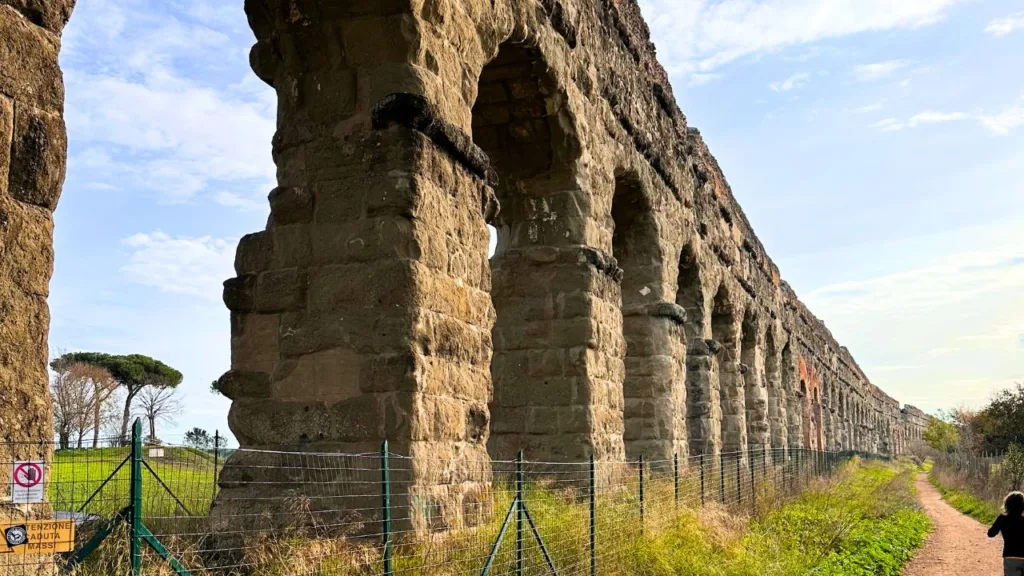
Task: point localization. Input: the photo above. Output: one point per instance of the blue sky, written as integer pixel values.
(877, 148)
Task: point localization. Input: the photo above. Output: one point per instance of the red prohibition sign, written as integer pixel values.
(28, 475)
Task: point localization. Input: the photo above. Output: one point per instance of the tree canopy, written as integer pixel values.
(133, 372)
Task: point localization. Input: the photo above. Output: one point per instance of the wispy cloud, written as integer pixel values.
(166, 99)
(699, 79)
(1003, 122)
(179, 264)
(935, 118)
(869, 108)
(1000, 123)
(706, 34)
(1005, 25)
(878, 70)
(888, 125)
(793, 82)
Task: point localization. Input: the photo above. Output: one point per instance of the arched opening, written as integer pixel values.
(805, 411)
(776, 393)
(794, 399)
(755, 394)
(653, 390)
(690, 294)
(727, 368)
(816, 414)
(535, 384)
(700, 400)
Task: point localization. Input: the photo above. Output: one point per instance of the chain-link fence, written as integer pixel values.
(982, 475)
(177, 510)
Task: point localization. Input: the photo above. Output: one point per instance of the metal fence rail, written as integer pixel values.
(292, 513)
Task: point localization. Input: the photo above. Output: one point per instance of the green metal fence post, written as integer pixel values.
(721, 474)
(641, 494)
(593, 519)
(675, 479)
(135, 517)
(753, 485)
(702, 480)
(739, 477)
(519, 514)
(216, 461)
(385, 492)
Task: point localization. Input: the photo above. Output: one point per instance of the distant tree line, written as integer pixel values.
(997, 428)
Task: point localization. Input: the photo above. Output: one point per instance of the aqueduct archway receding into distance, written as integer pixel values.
(629, 309)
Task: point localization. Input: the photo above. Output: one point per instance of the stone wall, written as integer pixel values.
(33, 147)
(629, 308)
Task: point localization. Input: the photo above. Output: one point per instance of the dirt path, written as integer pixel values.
(959, 546)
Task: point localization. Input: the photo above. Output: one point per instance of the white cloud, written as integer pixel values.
(1001, 123)
(698, 79)
(180, 265)
(1005, 121)
(935, 118)
(794, 81)
(146, 91)
(888, 125)
(705, 34)
(169, 134)
(1005, 25)
(869, 108)
(878, 70)
(233, 200)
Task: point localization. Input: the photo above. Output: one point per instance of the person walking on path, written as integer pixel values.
(1011, 525)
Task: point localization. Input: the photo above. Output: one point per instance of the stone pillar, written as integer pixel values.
(754, 389)
(655, 388)
(558, 367)
(777, 410)
(730, 381)
(33, 149)
(361, 312)
(703, 410)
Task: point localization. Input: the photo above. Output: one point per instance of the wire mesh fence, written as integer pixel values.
(188, 511)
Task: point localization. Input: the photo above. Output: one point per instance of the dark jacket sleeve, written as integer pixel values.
(994, 530)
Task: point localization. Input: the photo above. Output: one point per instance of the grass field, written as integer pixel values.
(77, 474)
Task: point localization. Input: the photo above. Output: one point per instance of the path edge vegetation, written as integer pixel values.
(963, 501)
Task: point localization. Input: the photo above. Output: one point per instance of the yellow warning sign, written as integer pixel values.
(37, 537)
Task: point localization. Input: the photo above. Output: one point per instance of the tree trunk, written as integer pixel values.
(126, 416)
(97, 404)
(63, 439)
(152, 428)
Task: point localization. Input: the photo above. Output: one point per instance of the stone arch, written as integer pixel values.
(516, 121)
(653, 389)
(690, 293)
(794, 399)
(805, 411)
(702, 402)
(754, 391)
(817, 416)
(776, 392)
(724, 332)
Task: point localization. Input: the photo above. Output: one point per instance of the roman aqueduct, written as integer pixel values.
(629, 308)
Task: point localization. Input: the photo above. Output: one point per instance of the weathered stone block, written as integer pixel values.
(38, 157)
(30, 73)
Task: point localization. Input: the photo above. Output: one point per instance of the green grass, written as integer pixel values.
(77, 474)
(981, 510)
(865, 525)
